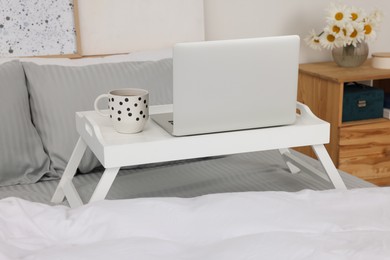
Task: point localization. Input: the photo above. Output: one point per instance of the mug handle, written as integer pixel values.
(96, 103)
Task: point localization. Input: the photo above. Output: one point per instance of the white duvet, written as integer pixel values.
(332, 224)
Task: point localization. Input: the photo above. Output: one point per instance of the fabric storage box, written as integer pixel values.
(387, 100)
(362, 102)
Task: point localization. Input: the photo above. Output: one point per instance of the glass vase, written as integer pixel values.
(350, 56)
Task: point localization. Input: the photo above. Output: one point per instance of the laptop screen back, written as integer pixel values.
(234, 84)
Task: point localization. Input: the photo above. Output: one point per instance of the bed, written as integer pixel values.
(245, 206)
(333, 224)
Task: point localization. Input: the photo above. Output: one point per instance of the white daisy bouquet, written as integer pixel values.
(345, 26)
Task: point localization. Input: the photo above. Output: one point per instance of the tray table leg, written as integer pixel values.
(72, 196)
(331, 174)
(293, 169)
(329, 167)
(304, 166)
(69, 173)
(104, 184)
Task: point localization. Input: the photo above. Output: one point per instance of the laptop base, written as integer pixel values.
(165, 120)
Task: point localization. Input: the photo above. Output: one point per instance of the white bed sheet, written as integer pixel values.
(353, 224)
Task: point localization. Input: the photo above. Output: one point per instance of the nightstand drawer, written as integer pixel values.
(364, 150)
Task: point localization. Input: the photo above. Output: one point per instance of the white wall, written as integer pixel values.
(229, 19)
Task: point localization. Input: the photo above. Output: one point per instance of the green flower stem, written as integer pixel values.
(349, 50)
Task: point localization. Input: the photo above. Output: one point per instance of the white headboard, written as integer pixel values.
(121, 26)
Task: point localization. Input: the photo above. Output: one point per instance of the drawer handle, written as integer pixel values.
(362, 103)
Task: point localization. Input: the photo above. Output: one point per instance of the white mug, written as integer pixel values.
(128, 109)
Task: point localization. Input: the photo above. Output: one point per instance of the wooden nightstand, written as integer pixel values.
(361, 148)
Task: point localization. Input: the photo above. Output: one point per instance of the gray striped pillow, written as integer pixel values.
(22, 157)
(57, 92)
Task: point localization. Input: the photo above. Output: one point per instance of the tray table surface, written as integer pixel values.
(154, 144)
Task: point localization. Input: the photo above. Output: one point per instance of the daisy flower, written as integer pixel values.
(369, 31)
(375, 17)
(338, 14)
(345, 26)
(356, 14)
(329, 40)
(313, 40)
(335, 28)
(354, 34)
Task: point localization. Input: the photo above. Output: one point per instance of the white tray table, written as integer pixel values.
(154, 144)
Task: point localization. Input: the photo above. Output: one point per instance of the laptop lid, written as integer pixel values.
(234, 84)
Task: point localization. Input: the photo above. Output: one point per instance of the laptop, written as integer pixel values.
(230, 85)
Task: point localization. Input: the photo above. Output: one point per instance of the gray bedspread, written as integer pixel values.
(258, 171)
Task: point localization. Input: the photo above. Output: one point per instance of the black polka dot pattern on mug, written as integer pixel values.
(123, 109)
